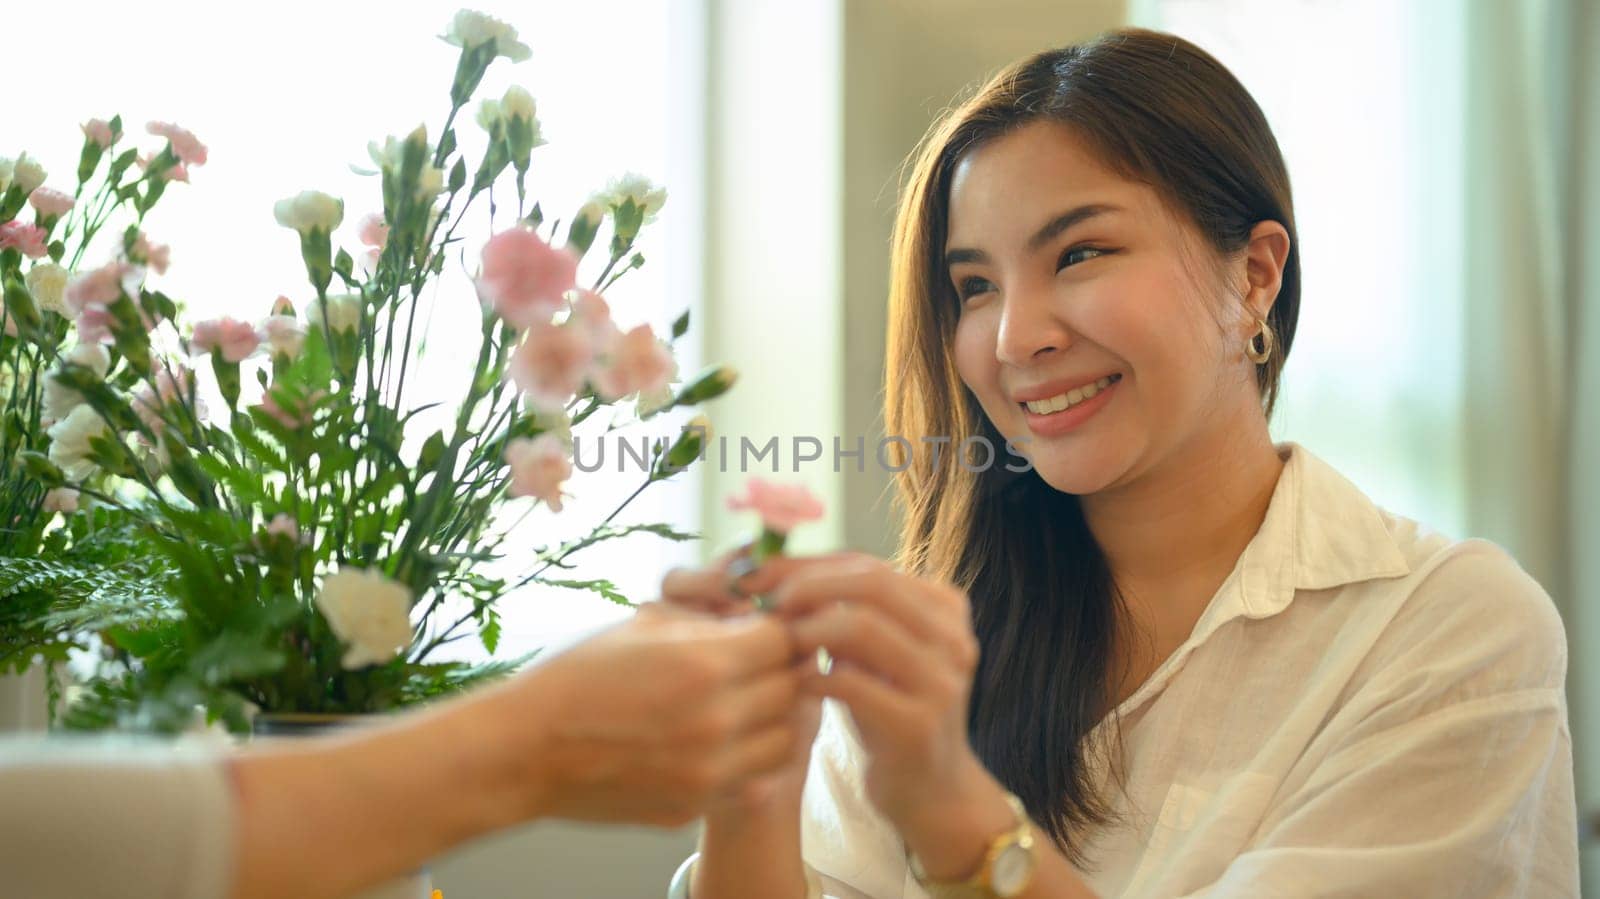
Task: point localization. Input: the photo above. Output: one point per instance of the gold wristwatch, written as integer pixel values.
(1007, 867)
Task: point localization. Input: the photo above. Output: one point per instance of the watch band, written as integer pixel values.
(982, 885)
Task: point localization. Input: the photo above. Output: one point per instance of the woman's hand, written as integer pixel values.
(903, 655)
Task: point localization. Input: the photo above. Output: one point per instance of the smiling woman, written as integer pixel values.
(1197, 662)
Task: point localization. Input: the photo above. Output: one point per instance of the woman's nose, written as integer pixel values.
(1029, 328)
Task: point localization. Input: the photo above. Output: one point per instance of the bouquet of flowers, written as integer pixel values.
(317, 519)
(94, 559)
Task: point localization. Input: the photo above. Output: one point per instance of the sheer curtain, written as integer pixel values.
(1443, 156)
(287, 96)
(1371, 133)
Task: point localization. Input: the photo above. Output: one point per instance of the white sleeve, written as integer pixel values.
(855, 850)
(1449, 770)
(82, 818)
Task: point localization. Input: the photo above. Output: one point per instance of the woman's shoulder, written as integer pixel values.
(1468, 605)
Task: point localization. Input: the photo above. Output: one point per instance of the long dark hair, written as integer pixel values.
(1158, 110)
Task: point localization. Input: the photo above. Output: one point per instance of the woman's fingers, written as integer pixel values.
(726, 587)
(862, 635)
(874, 705)
(930, 612)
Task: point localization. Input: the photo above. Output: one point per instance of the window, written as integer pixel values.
(1361, 97)
(287, 96)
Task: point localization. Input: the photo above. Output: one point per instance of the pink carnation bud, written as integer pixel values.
(235, 339)
(524, 277)
(781, 506)
(49, 202)
(61, 499)
(372, 230)
(282, 306)
(185, 145)
(538, 468)
(99, 131)
(283, 525)
(27, 239)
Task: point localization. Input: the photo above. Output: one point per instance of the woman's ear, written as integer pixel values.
(1265, 257)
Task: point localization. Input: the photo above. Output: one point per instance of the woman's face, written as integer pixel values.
(1073, 281)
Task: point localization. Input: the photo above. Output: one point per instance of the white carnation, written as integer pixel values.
(641, 190)
(518, 103)
(470, 29)
(488, 114)
(369, 613)
(69, 442)
(284, 334)
(343, 312)
(29, 174)
(310, 210)
(8, 169)
(59, 399)
(48, 284)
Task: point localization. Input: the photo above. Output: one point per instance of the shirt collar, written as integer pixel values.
(1320, 531)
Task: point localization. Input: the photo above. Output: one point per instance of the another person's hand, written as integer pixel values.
(655, 718)
(751, 842)
(709, 591)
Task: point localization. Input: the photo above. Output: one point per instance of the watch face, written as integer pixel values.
(1012, 870)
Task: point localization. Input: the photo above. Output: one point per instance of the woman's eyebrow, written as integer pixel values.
(958, 255)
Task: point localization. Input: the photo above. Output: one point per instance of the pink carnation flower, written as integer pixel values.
(591, 310)
(185, 145)
(49, 202)
(94, 324)
(174, 384)
(781, 506)
(550, 363)
(178, 172)
(101, 286)
(28, 239)
(524, 277)
(235, 339)
(156, 256)
(291, 414)
(538, 468)
(639, 362)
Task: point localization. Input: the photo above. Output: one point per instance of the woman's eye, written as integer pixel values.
(1073, 257)
(971, 287)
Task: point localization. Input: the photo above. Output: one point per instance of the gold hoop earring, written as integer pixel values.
(1260, 356)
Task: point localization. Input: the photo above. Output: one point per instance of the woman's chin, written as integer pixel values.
(1080, 470)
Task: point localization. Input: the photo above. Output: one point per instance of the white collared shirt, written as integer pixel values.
(1365, 708)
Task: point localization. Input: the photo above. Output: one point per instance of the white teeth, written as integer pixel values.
(1071, 398)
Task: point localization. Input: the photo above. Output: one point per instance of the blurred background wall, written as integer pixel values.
(1448, 200)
